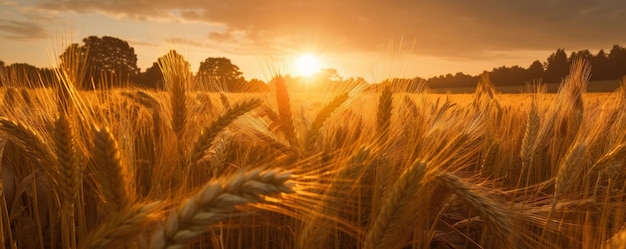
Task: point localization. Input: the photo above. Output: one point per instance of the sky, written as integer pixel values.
(360, 38)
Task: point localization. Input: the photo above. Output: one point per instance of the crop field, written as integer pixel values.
(132, 168)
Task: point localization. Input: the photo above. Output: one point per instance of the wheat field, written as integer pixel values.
(131, 168)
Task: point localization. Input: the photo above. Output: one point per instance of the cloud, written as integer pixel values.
(21, 30)
(454, 29)
(183, 41)
(224, 36)
(135, 42)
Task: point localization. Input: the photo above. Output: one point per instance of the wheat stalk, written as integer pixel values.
(618, 241)
(224, 100)
(176, 75)
(488, 164)
(178, 100)
(70, 177)
(529, 144)
(122, 226)
(207, 135)
(384, 112)
(30, 141)
(313, 235)
(320, 119)
(273, 143)
(530, 134)
(284, 112)
(10, 96)
(216, 201)
(613, 157)
(492, 212)
(395, 208)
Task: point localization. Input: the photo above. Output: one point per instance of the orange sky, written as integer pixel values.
(371, 39)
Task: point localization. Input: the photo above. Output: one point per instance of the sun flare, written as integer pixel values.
(307, 65)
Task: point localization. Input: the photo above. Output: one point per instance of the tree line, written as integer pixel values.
(111, 62)
(611, 66)
(103, 62)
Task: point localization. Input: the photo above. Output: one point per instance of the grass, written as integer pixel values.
(131, 168)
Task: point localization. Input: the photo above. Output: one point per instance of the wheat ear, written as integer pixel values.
(395, 208)
(284, 112)
(69, 179)
(122, 226)
(149, 102)
(178, 100)
(30, 141)
(216, 201)
(611, 158)
(530, 135)
(69, 170)
(207, 135)
(529, 144)
(224, 100)
(491, 211)
(274, 143)
(111, 172)
(568, 170)
(10, 96)
(320, 119)
(384, 112)
(176, 75)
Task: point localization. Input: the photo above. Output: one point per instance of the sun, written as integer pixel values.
(307, 65)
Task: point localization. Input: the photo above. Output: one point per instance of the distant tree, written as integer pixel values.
(171, 61)
(152, 77)
(616, 62)
(534, 71)
(328, 75)
(411, 85)
(452, 81)
(106, 60)
(256, 85)
(557, 67)
(221, 70)
(360, 80)
(502, 76)
(26, 75)
(599, 66)
(582, 54)
(1, 63)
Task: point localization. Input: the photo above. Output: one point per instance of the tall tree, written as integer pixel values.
(556, 67)
(599, 66)
(106, 60)
(582, 54)
(256, 85)
(616, 62)
(221, 70)
(534, 71)
(153, 76)
(25, 75)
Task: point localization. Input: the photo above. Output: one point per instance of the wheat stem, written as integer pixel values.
(123, 226)
(207, 135)
(395, 207)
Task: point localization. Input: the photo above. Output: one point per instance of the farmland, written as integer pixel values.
(132, 168)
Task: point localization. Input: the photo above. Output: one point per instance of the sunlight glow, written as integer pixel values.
(307, 65)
